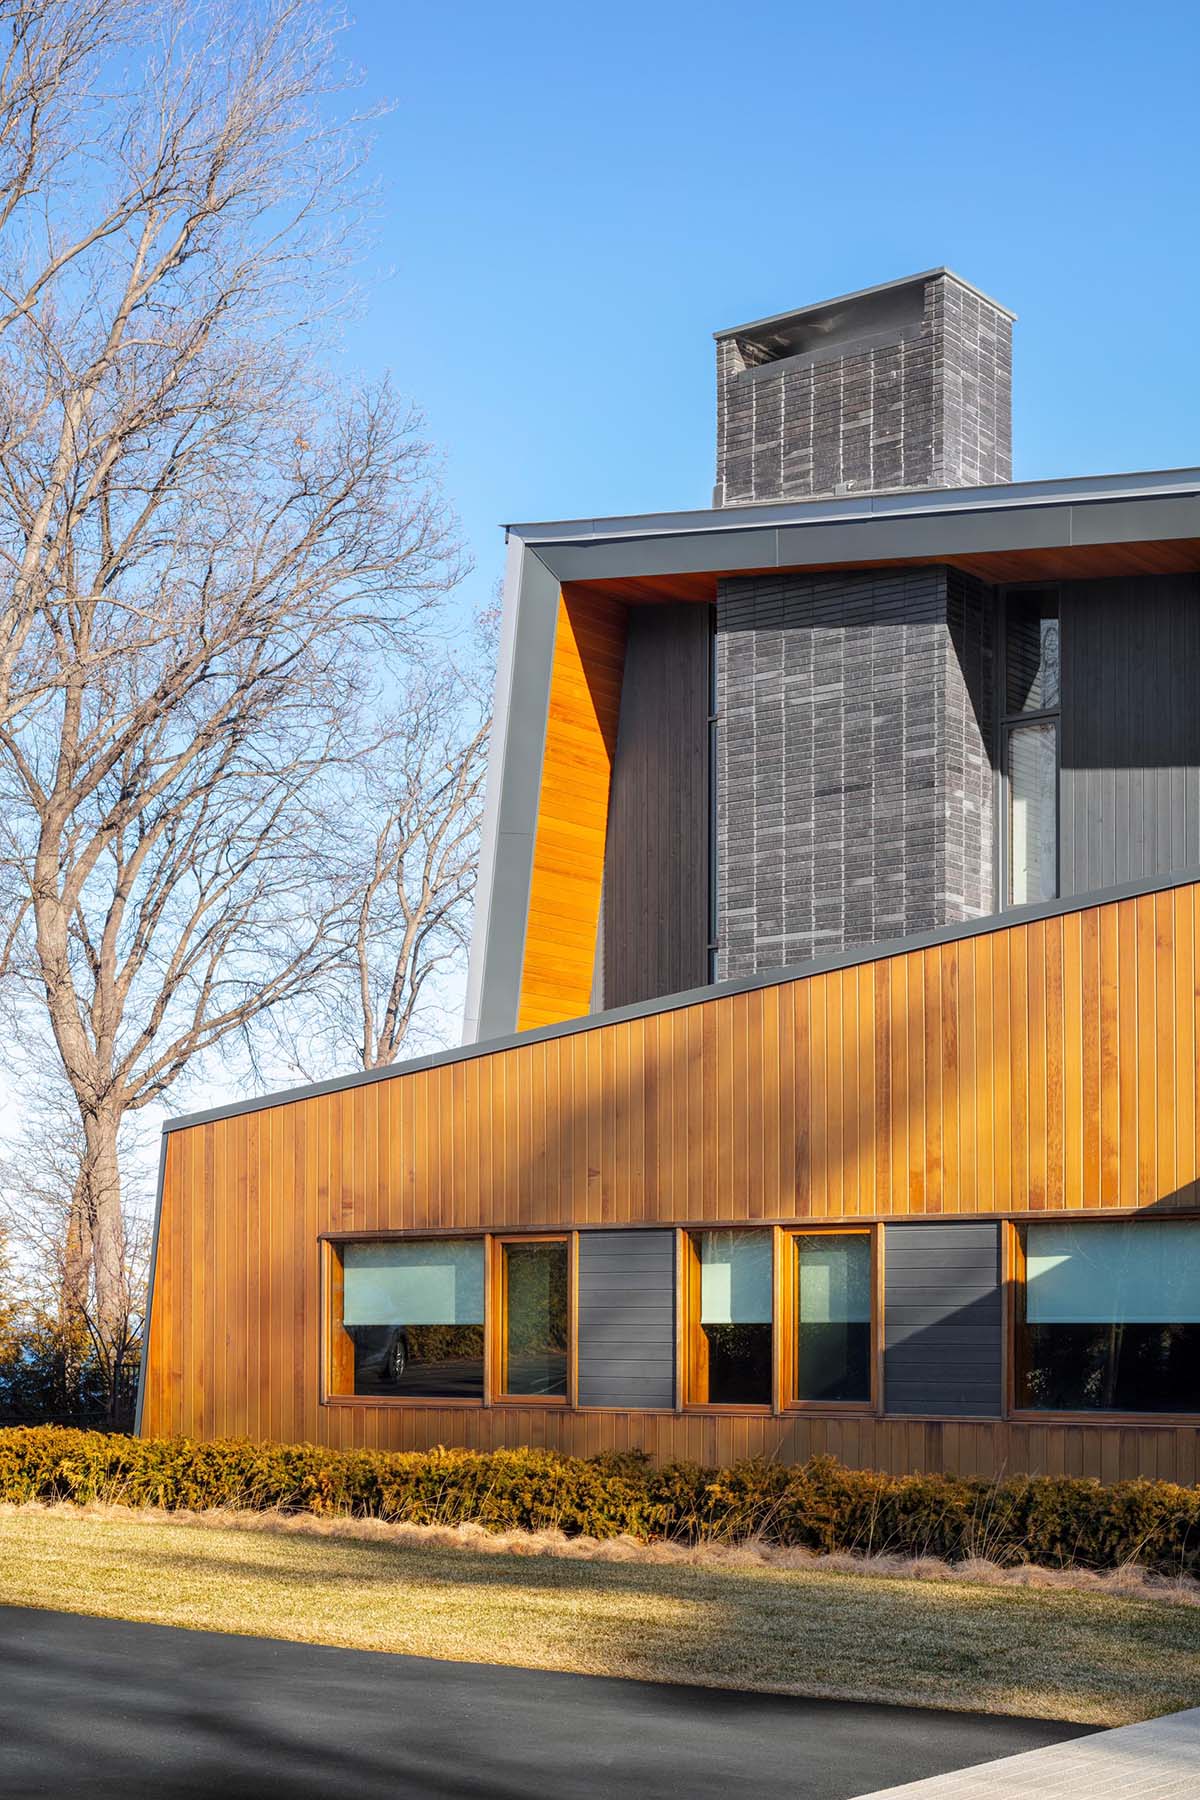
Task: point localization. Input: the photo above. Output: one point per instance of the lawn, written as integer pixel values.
(1094, 1658)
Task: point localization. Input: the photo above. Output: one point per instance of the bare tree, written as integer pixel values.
(414, 896)
(55, 1362)
(215, 552)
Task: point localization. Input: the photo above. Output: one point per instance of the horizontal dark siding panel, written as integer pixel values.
(627, 1319)
(942, 1319)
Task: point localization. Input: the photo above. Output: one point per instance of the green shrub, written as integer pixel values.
(819, 1505)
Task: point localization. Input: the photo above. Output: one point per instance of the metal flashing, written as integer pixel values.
(145, 1356)
(858, 956)
(1077, 490)
(520, 714)
(880, 287)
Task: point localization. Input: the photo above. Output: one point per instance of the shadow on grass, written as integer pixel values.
(1060, 1654)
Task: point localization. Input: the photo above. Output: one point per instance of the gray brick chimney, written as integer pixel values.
(908, 385)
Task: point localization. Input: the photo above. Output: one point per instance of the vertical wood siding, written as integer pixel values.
(656, 861)
(1043, 1066)
(568, 854)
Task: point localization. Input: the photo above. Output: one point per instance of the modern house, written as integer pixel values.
(831, 1075)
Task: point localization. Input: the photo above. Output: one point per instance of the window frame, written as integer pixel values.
(1013, 1231)
(337, 1361)
(694, 1345)
(872, 1230)
(496, 1319)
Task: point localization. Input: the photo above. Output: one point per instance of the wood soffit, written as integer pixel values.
(1069, 562)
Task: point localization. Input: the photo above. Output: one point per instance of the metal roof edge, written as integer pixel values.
(1077, 490)
(823, 965)
(879, 287)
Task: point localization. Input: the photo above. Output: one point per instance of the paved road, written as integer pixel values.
(104, 1708)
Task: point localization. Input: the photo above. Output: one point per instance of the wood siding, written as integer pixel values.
(656, 862)
(568, 856)
(1037, 1067)
(1130, 782)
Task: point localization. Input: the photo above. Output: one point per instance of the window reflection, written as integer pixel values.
(536, 1318)
(735, 1318)
(414, 1314)
(833, 1316)
(1111, 1316)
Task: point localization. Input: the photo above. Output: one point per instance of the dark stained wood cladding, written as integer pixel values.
(656, 858)
(1039, 1067)
(1130, 784)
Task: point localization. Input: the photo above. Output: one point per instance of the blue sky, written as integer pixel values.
(575, 198)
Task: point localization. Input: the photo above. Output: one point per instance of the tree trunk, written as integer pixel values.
(100, 1179)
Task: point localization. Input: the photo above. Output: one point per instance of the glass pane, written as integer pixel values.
(735, 1277)
(1032, 813)
(414, 1313)
(1031, 652)
(833, 1316)
(1112, 1316)
(535, 1286)
(735, 1316)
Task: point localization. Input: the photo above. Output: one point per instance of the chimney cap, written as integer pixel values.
(883, 287)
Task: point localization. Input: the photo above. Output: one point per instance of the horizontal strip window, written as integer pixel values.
(1108, 1316)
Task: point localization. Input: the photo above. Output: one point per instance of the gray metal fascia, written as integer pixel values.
(860, 956)
(849, 540)
(514, 785)
(145, 1356)
(1078, 489)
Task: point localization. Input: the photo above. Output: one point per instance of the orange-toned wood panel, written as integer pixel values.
(1043, 1066)
(568, 856)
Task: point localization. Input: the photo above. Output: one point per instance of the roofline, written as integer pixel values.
(860, 956)
(846, 508)
(880, 287)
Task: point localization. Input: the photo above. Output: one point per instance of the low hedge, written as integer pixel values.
(819, 1505)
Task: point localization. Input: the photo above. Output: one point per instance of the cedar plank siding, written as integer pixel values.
(1036, 1067)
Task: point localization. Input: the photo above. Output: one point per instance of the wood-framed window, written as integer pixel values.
(728, 1315)
(829, 1323)
(533, 1312)
(406, 1319)
(1106, 1317)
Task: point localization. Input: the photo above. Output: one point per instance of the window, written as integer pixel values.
(729, 1324)
(1030, 744)
(1109, 1316)
(412, 1319)
(1032, 773)
(831, 1272)
(535, 1315)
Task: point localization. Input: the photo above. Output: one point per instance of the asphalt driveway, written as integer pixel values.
(106, 1708)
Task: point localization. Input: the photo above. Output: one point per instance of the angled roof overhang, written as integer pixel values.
(1087, 527)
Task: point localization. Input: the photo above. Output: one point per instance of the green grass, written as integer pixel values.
(1065, 1655)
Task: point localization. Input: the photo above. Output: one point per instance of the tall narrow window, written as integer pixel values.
(1032, 812)
(730, 1326)
(1030, 736)
(535, 1336)
(832, 1312)
(1109, 1316)
(413, 1315)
